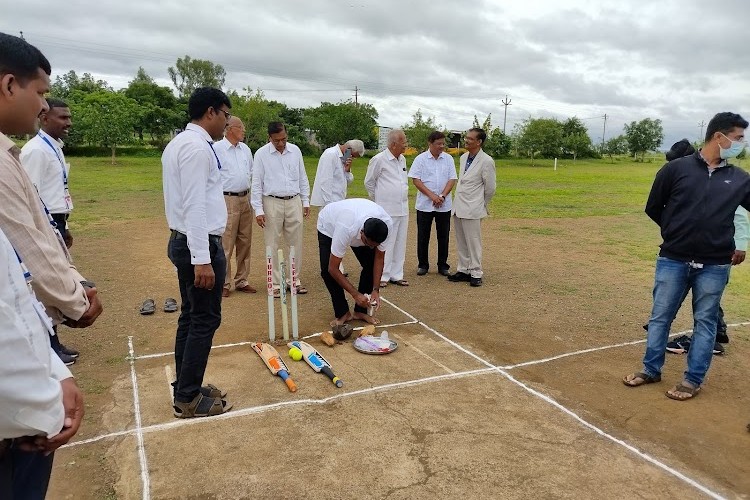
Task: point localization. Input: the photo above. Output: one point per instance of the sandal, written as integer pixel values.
(148, 307)
(170, 305)
(383, 284)
(201, 406)
(640, 378)
(687, 392)
(301, 290)
(211, 391)
(399, 282)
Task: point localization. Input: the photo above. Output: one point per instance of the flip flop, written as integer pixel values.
(148, 307)
(639, 378)
(170, 305)
(399, 282)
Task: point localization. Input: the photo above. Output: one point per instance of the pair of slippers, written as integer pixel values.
(149, 306)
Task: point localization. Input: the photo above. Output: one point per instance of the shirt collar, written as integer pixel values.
(273, 149)
(52, 139)
(224, 143)
(391, 155)
(722, 163)
(200, 130)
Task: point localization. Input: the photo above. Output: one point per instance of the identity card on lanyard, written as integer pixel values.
(38, 306)
(64, 167)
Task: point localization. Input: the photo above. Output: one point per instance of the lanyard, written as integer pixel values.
(62, 163)
(26, 272)
(210, 145)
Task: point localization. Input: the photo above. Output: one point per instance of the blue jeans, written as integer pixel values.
(673, 279)
(24, 475)
(200, 316)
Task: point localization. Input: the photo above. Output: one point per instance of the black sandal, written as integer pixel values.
(201, 406)
(148, 307)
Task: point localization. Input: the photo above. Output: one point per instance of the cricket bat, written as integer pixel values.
(316, 361)
(273, 361)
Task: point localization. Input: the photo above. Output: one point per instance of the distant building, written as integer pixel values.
(383, 137)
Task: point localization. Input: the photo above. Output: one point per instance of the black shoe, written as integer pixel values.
(459, 276)
(66, 358)
(475, 281)
(718, 349)
(421, 271)
(70, 352)
(680, 345)
(444, 272)
(722, 337)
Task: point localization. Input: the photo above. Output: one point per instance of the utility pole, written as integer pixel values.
(356, 95)
(701, 125)
(604, 131)
(22, 38)
(506, 103)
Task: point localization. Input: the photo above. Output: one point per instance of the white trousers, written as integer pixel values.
(469, 242)
(395, 250)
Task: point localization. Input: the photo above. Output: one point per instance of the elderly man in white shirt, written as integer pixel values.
(387, 184)
(434, 175)
(236, 174)
(197, 215)
(334, 172)
(280, 197)
(366, 228)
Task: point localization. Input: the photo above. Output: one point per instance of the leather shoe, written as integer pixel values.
(421, 271)
(475, 281)
(246, 289)
(225, 292)
(459, 276)
(444, 272)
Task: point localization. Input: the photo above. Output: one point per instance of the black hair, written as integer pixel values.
(206, 97)
(375, 230)
(275, 128)
(680, 149)
(481, 134)
(434, 136)
(21, 59)
(56, 103)
(724, 122)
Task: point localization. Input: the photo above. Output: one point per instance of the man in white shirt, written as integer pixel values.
(280, 197)
(41, 407)
(434, 175)
(366, 228)
(236, 172)
(334, 172)
(43, 159)
(197, 217)
(387, 184)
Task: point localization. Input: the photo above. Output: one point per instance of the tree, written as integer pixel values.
(189, 74)
(337, 123)
(64, 86)
(645, 135)
(542, 136)
(106, 118)
(420, 129)
(497, 143)
(615, 146)
(577, 144)
(160, 112)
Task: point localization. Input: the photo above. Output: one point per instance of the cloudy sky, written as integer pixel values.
(680, 61)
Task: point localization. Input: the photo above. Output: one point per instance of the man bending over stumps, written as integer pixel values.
(364, 226)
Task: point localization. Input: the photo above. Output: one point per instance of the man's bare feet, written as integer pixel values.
(343, 319)
(365, 317)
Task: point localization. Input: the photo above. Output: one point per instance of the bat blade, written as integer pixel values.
(275, 364)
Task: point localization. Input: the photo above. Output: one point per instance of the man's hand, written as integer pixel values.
(348, 165)
(204, 276)
(68, 239)
(437, 201)
(738, 257)
(73, 403)
(261, 220)
(361, 300)
(306, 212)
(93, 312)
(375, 297)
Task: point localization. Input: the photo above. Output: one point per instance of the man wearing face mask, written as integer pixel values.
(693, 200)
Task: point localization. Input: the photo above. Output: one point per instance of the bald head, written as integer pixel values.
(235, 131)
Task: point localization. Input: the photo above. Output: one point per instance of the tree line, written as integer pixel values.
(149, 114)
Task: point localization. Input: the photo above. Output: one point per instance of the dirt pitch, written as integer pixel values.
(470, 406)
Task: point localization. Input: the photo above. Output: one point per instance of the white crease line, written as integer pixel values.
(170, 377)
(413, 322)
(273, 406)
(145, 479)
(421, 352)
(572, 414)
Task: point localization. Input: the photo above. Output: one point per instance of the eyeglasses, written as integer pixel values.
(227, 114)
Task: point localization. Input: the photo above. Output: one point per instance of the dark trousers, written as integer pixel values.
(424, 228)
(60, 221)
(24, 475)
(366, 257)
(200, 316)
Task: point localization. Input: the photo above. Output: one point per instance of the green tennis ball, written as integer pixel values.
(295, 354)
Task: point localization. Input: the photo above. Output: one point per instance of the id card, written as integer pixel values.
(42, 313)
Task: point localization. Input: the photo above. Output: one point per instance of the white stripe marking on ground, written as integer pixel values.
(145, 479)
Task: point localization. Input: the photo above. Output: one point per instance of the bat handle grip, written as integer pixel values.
(288, 380)
(329, 373)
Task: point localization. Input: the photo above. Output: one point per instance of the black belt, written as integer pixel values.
(283, 197)
(182, 236)
(241, 193)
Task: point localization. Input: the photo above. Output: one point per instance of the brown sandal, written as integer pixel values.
(201, 406)
(685, 389)
(639, 378)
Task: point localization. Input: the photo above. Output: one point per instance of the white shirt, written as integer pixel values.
(342, 221)
(331, 180)
(46, 166)
(236, 165)
(387, 184)
(193, 194)
(30, 372)
(278, 174)
(434, 174)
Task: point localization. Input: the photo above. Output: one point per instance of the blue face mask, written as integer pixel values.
(733, 150)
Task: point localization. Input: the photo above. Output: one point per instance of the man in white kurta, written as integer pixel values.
(280, 197)
(387, 184)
